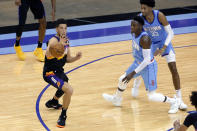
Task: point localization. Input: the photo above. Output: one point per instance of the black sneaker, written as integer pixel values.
(61, 122)
(52, 104)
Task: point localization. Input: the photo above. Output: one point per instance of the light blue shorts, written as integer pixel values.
(149, 75)
(159, 45)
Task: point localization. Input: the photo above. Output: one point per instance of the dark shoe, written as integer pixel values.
(61, 121)
(52, 104)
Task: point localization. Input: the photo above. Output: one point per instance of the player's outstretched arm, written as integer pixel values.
(178, 126)
(71, 59)
(145, 42)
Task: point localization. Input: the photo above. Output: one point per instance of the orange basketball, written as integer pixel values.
(56, 50)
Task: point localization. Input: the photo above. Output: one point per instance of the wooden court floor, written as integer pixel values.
(21, 83)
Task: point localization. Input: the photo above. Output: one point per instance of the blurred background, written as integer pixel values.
(72, 9)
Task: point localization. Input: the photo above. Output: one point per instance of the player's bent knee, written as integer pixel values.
(70, 90)
(67, 89)
(121, 84)
(59, 93)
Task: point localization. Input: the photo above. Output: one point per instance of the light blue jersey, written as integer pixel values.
(157, 33)
(137, 48)
(149, 73)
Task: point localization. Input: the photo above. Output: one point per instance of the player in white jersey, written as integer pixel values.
(144, 65)
(161, 34)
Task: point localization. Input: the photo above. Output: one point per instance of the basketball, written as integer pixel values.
(57, 50)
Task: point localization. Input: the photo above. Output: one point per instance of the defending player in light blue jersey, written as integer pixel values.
(161, 34)
(144, 65)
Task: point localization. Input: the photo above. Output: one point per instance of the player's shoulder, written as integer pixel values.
(52, 40)
(160, 14)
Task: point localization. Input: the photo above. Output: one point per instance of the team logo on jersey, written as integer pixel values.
(135, 45)
(153, 30)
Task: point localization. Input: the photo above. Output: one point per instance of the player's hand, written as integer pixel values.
(53, 14)
(128, 77)
(64, 40)
(78, 55)
(160, 51)
(176, 125)
(17, 2)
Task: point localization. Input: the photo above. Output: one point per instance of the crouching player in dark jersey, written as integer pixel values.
(191, 119)
(57, 55)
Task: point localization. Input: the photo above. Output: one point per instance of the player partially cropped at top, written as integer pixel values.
(161, 34)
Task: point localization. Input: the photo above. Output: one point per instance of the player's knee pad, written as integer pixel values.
(153, 96)
(122, 85)
(59, 93)
(19, 30)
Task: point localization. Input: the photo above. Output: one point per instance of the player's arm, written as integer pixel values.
(65, 41)
(168, 29)
(53, 4)
(178, 127)
(145, 42)
(70, 58)
(51, 42)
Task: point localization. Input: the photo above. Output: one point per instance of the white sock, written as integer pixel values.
(136, 83)
(157, 97)
(118, 93)
(178, 93)
(169, 100)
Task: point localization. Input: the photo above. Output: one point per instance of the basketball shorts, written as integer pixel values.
(36, 8)
(159, 45)
(55, 79)
(169, 53)
(149, 75)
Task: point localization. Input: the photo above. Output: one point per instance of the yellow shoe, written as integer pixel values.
(19, 52)
(38, 52)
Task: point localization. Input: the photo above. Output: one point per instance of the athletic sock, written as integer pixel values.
(63, 113)
(39, 44)
(178, 93)
(17, 42)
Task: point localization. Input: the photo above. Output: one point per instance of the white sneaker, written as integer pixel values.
(134, 92)
(116, 101)
(174, 107)
(182, 105)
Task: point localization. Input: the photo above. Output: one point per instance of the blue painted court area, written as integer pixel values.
(95, 33)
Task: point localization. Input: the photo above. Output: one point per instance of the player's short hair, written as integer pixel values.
(193, 98)
(150, 3)
(60, 21)
(139, 19)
